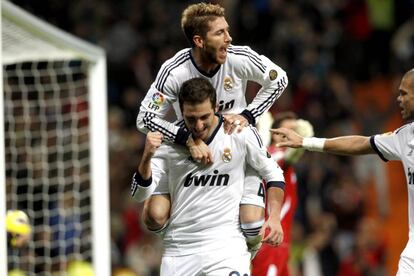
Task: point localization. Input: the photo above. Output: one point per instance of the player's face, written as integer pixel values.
(406, 99)
(199, 119)
(217, 41)
(288, 123)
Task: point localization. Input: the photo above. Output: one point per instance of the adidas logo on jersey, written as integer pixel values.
(207, 180)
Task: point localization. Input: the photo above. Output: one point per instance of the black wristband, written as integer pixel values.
(275, 184)
(137, 179)
(249, 117)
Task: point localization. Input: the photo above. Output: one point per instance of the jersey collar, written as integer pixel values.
(209, 75)
(220, 123)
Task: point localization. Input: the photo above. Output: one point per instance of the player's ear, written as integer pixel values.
(198, 41)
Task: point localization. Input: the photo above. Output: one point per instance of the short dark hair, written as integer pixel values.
(195, 91)
(281, 116)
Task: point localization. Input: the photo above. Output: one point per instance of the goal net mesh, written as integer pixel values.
(47, 141)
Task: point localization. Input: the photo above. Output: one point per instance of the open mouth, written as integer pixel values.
(223, 51)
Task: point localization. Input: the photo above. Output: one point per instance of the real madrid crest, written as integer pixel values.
(228, 83)
(226, 155)
(272, 74)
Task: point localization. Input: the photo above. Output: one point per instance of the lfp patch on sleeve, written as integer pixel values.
(157, 100)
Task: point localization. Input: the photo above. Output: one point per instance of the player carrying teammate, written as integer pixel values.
(203, 236)
(228, 68)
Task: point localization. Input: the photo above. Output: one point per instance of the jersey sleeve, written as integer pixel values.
(259, 159)
(158, 101)
(387, 145)
(142, 189)
(263, 71)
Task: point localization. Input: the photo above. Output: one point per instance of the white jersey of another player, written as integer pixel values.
(229, 80)
(205, 199)
(399, 145)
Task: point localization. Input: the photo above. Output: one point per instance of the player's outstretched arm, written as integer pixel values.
(344, 145)
(305, 129)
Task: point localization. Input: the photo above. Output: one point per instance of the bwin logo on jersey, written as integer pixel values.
(225, 105)
(207, 180)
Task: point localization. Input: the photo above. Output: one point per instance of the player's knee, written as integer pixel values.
(155, 216)
(251, 213)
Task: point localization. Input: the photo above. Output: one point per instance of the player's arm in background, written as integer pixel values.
(304, 129)
(344, 145)
(258, 157)
(259, 69)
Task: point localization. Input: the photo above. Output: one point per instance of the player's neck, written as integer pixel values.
(202, 62)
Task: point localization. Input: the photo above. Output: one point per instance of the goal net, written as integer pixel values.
(54, 154)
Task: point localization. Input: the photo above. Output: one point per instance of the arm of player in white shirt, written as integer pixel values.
(158, 101)
(153, 109)
(260, 160)
(152, 172)
(270, 76)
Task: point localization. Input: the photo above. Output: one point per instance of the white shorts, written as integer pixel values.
(206, 264)
(253, 193)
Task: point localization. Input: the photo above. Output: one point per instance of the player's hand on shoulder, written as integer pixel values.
(199, 151)
(291, 138)
(153, 141)
(234, 122)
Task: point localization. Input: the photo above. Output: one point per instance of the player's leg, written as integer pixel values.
(252, 209)
(156, 212)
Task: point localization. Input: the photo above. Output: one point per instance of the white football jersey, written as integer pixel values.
(399, 145)
(205, 199)
(229, 80)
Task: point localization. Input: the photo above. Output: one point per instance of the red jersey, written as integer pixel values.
(272, 260)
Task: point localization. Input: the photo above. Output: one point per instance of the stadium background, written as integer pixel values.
(344, 60)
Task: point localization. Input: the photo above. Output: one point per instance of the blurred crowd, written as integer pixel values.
(341, 56)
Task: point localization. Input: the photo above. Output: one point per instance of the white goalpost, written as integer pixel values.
(53, 148)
